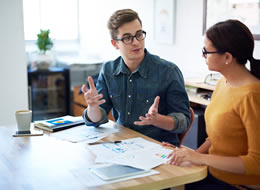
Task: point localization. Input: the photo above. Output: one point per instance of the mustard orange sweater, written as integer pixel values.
(233, 127)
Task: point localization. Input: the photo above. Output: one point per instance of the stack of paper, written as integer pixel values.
(135, 152)
(85, 133)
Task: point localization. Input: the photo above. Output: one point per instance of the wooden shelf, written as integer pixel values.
(198, 83)
(79, 98)
(198, 100)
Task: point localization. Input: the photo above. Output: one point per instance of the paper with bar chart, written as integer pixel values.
(135, 152)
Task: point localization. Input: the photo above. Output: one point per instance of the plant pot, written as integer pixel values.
(44, 61)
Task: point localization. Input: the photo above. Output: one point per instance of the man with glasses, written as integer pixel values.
(145, 92)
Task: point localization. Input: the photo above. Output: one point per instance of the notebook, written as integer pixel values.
(60, 123)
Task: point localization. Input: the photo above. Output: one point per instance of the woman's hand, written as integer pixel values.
(183, 156)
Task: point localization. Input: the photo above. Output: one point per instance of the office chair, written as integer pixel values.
(182, 136)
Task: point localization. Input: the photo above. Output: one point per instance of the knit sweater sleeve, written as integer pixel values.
(250, 114)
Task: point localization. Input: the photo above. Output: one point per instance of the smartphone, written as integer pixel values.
(23, 132)
(116, 171)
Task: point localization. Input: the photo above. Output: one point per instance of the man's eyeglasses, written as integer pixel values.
(140, 35)
(205, 52)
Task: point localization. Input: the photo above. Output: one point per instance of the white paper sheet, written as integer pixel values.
(135, 152)
(85, 133)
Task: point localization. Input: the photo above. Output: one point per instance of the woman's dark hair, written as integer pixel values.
(119, 18)
(234, 37)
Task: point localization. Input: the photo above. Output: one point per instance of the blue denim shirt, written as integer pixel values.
(130, 95)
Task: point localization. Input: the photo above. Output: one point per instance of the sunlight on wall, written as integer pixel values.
(94, 44)
(94, 35)
(185, 52)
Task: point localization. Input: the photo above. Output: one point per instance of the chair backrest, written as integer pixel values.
(181, 136)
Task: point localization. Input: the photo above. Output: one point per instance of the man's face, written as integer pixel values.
(133, 52)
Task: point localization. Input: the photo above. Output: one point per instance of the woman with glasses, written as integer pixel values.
(146, 93)
(232, 149)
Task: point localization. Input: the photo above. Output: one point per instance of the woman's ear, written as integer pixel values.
(229, 58)
(114, 43)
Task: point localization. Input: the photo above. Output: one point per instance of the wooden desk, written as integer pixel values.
(44, 162)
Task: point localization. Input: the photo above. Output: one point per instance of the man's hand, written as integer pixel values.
(150, 117)
(91, 95)
(166, 144)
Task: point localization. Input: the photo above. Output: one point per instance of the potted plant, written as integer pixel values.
(44, 42)
(44, 57)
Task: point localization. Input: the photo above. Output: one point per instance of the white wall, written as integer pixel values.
(185, 52)
(94, 35)
(13, 75)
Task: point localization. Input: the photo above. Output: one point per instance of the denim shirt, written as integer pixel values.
(130, 95)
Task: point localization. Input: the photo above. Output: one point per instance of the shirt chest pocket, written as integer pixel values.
(144, 103)
(115, 98)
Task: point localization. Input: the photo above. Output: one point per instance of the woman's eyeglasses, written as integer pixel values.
(205, 52)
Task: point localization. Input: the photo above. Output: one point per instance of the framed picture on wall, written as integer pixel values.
(247, 11)
(164, 18)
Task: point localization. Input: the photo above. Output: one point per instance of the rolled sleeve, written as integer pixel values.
(104, 118)
(180, 122)
(177, 101)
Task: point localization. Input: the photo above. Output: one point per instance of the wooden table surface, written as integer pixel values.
(44, 162)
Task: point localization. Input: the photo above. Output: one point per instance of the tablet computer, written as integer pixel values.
(116, 171)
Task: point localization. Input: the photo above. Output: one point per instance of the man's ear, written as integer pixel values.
(114, 43)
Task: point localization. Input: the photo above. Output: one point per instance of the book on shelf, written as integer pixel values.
(196, 90)
(60, 123)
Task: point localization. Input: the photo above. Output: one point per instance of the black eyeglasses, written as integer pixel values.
(140, 35)
(205, 52)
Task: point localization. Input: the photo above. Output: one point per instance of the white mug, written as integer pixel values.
(23, 119)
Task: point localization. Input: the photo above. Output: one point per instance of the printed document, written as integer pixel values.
(135, 152)
(85, 133)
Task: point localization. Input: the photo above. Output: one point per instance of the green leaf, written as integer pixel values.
(44, 42)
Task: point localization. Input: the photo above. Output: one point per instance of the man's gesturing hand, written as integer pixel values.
(151, 116)
(91, 95)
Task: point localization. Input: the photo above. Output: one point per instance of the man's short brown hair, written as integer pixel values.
(119, 18)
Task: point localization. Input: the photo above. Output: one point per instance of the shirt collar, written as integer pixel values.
(142, 69)
(121, 68)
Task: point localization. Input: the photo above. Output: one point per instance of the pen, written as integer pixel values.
(104, 142)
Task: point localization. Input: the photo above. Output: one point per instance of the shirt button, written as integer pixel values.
(128, 113)
(111, 96)
(129, 96)
(130, 80)
(147, 101)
